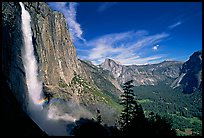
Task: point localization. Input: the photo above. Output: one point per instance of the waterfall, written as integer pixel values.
(47, 119)
(29, 61)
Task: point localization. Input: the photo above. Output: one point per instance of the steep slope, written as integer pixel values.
(103, 79)
(190, 78)
(12, 65)
(54, 49)
(64, 78)
(113, 67)
(144, 74)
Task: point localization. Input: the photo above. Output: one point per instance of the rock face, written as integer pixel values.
(54, 49)
(12, 65)
(144, 74)
(103, 79)
(190, 77)
(62, 74)
(186, 76)
(113, 67)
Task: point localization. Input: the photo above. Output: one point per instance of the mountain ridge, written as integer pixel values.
(171, 72)
(124, 73)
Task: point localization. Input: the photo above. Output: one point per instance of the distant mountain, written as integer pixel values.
(151, 74)
(112, 66)
(190, 77)
(169, 88)
(186, 76)
(103, 79)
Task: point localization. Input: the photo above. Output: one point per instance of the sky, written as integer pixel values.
(133, 32)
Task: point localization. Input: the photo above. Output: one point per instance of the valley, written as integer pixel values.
(63, 89)
(185, 111)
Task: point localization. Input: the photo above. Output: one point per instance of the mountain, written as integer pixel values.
(190, 77)
(103, 79)
(169, 88)
(64, 77)
(151, 74)
(187, 74)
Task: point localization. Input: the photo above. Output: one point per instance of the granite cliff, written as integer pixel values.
(151, 74)
(63, 76)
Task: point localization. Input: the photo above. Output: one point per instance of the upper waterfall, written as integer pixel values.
(29, 61)
(45, 118)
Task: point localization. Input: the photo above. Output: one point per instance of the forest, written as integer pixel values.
(132, 122)
(185, 110)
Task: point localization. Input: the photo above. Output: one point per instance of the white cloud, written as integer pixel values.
(155, 47)
(69, 11)
(124, 47)
(148, 40)
(142, 60)
(106, 5)
(174, 25)
(75, 28)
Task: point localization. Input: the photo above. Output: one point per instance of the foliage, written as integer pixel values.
(166, 101)
(160, 126)
(134, 122)
(128, 102)
(87, 127)
(144, 101)
(62, 84)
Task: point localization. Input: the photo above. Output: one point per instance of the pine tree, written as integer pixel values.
(138, 122)
(133, 121)
(128, 102)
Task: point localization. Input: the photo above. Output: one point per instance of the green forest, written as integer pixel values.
(185, 110)
(149, 111)
(150, 121)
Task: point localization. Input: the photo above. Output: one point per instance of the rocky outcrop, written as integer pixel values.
(151, 74)
(191, 73)
(113, 67)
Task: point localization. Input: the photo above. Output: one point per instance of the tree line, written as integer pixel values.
(132, 121)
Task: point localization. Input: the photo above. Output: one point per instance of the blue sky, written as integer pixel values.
(133, 32)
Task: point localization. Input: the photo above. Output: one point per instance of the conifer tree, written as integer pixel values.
(128, 102)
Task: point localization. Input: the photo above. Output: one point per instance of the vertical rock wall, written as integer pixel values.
(12, 65)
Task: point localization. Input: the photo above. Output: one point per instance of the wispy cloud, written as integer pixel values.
(124, 47)
(174, 25)
(106, 5)
(70, 13)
